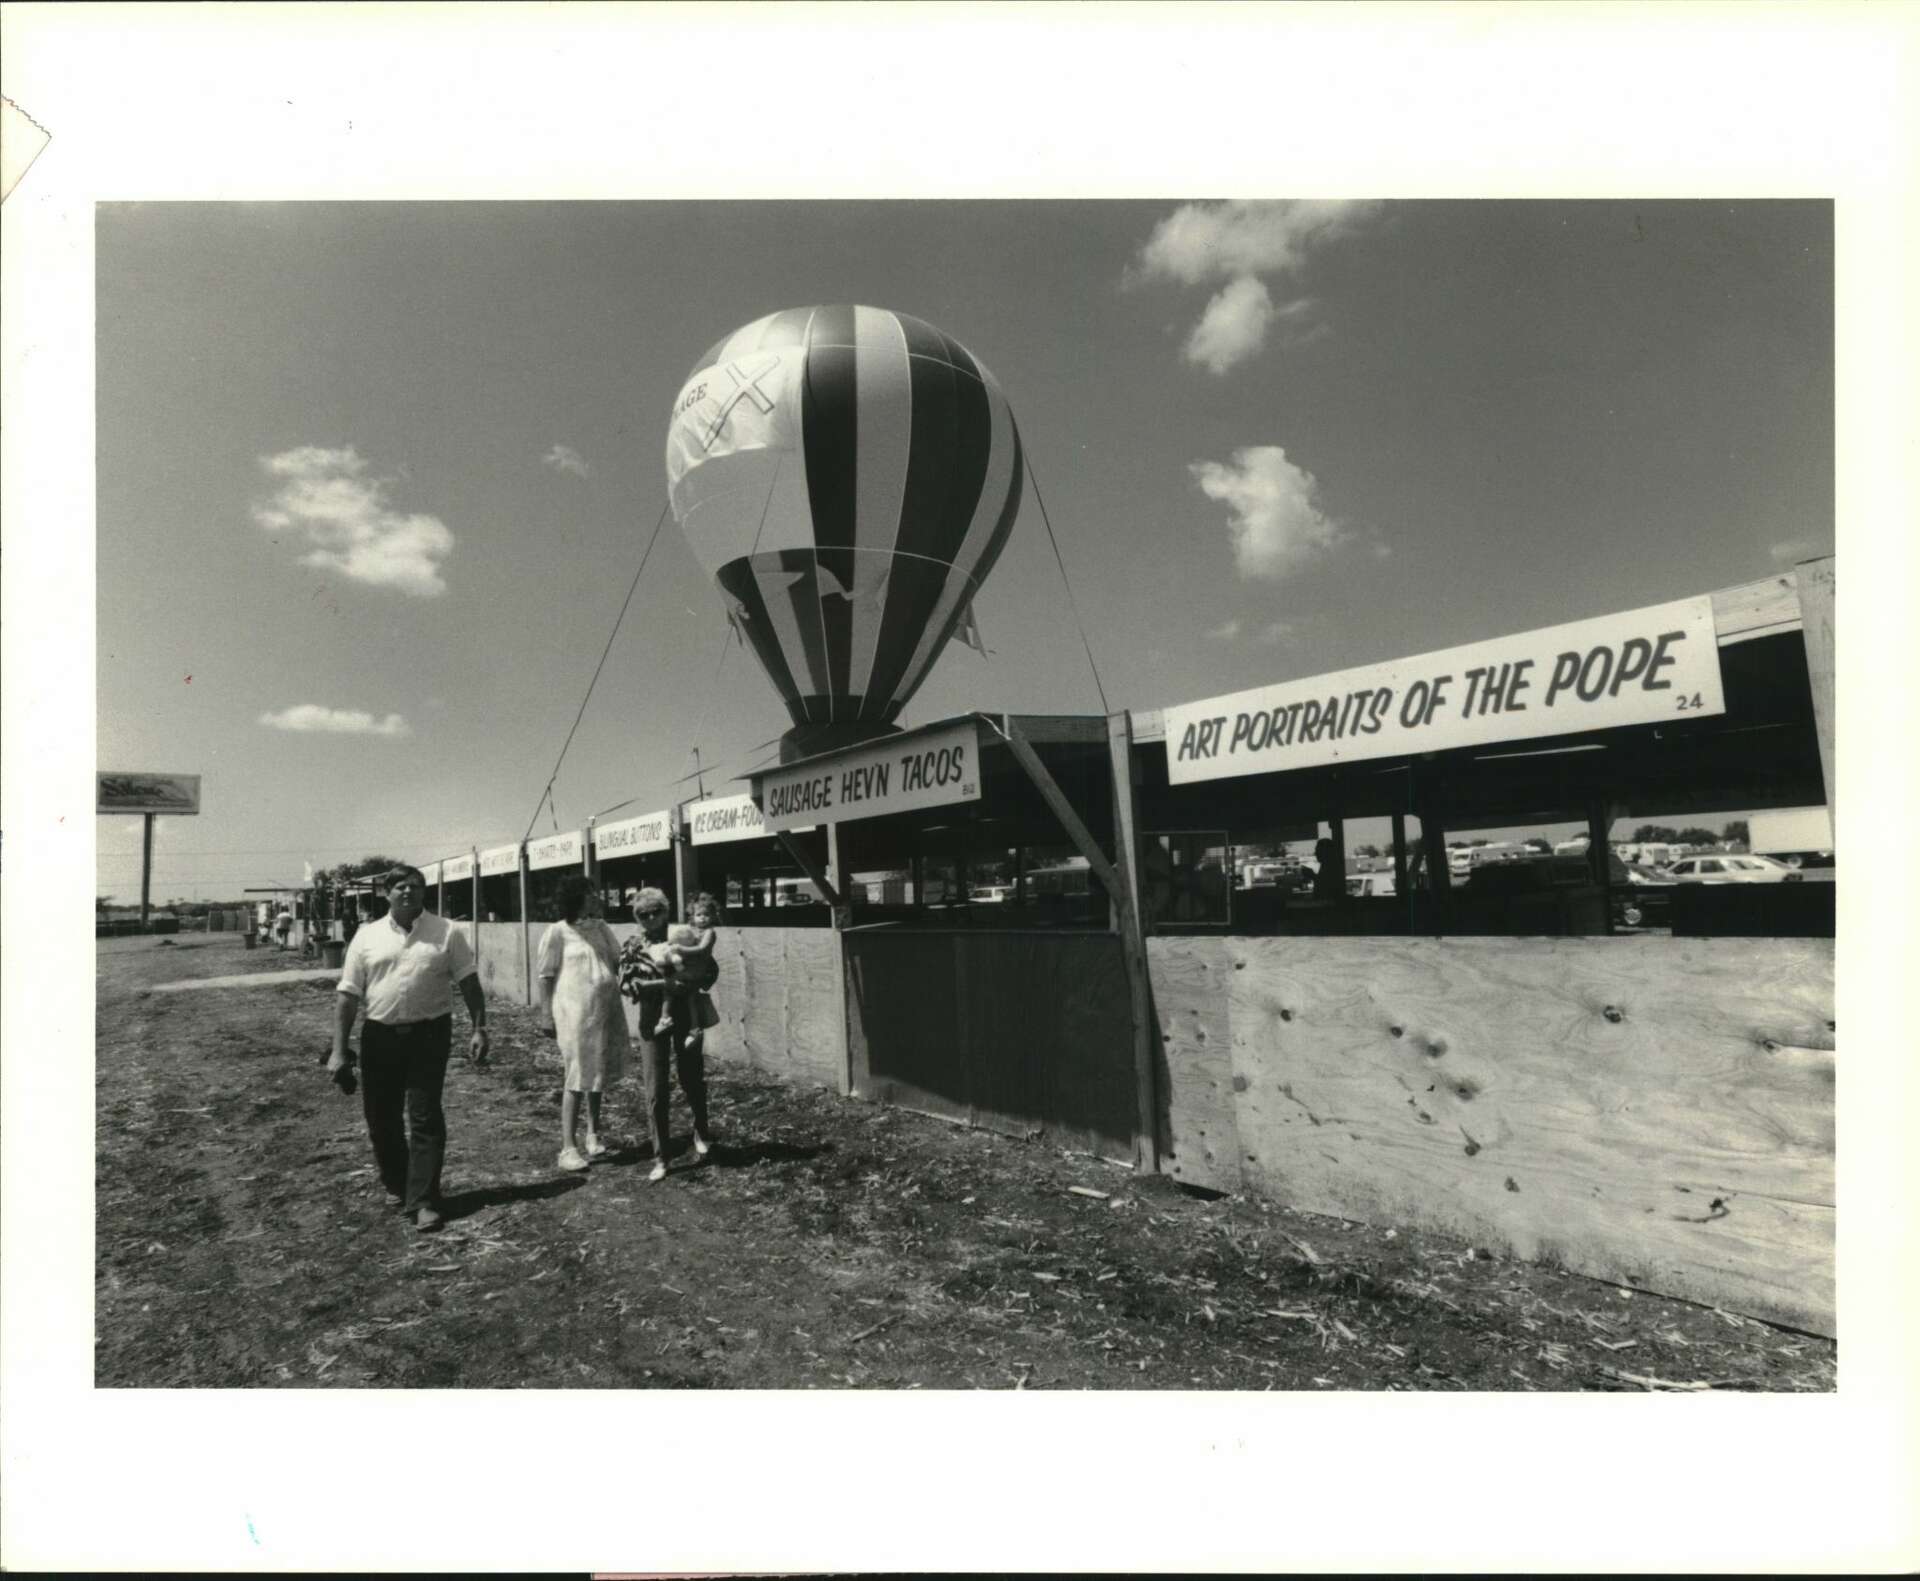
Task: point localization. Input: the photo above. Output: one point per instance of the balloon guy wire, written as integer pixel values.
(1041, 502)
(632, 587)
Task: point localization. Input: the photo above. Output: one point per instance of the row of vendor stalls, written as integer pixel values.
(1229, 941)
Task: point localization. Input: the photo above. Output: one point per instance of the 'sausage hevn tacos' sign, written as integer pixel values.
(1635, 668)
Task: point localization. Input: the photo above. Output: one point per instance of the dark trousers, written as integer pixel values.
(402, 1072)
(690, 1063)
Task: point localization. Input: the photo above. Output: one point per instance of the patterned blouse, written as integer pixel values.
(640, 974)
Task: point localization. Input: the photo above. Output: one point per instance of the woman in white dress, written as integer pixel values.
(578, 970)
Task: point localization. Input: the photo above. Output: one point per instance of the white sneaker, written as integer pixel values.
(659, 1170)
(701, 1145)
(597, 1149)
(572, 1158)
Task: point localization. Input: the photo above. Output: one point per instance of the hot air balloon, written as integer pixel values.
(848, 476)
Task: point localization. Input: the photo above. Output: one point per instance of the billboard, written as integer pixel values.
(120, 791)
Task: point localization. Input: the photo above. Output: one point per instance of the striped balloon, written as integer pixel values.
(848, 476)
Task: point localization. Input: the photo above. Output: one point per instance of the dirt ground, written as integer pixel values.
(242, 1240)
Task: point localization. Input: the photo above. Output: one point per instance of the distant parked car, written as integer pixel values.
(1366, 886)
(1731, 870)
(991, 894)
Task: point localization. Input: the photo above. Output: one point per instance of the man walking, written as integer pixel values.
(402, 970)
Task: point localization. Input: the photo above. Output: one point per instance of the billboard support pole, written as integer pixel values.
(146, 867)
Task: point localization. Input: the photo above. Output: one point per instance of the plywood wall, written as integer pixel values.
(501, 950)
(780, 1001)
(1658, 1111)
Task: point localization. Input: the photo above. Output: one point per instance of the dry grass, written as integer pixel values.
(242, 1241)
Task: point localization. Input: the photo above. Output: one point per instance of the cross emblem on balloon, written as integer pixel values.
(746, 387)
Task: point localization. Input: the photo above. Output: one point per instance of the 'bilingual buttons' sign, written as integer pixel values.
(456, 870)
(556, 850)
(651, 831)
(501, 859)
(924, 769)
(722, 818)
(1637, 668)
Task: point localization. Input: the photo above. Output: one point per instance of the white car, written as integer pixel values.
(991, 894)
(1731, 870)
(1365, 886)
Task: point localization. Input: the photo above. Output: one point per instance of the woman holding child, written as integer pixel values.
(667, 981)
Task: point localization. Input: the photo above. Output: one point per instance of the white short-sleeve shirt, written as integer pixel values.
(401, 976)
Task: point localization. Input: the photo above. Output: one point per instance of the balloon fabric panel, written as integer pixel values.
(847, 565)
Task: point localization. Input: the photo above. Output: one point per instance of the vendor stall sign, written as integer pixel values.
(456, 869)
(556, 850)
(118, 791)
(634, 836)
(501, 859)
(926, 769)
(721, 818)
(1642, 667)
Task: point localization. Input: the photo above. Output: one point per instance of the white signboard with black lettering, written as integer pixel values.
(456, 870)
(651, 831)
(501, 859)
(721, 818)
(1641, 667)
(929, 768)
(556, 850)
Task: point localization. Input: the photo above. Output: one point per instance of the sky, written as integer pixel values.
(373, 479)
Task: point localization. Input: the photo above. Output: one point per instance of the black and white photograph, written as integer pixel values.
(768, 787)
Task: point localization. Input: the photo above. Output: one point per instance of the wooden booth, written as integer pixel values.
(979, 965)
(1532, 1043)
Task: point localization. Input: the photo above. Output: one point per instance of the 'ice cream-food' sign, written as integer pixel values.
(1640, 667)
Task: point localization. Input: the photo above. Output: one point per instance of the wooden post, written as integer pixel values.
(1433, 842)
(146, 868)
(473, 890)
(1130, 924)
(526, 940)
(1814, 581)
(842, 920)
(686, 864)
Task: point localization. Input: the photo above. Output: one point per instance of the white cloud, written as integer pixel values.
(1224, 632)
(564, 458)
(335, 721)
(346, 516)
(1206, 241)
(1793, 551)
(1233, 327)
(1275, 631)
(1274, 524)
(1240, 243)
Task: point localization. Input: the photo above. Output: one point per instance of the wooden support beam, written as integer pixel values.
(1132, 946)
(1815, 585)
(811, 868)
(1062, 809)
(1130, 924)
